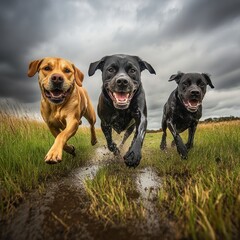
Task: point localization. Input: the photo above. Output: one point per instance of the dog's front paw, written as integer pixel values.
(182, 150)
(132, 158)
(53, 156)
(163, 145)
(113, 148)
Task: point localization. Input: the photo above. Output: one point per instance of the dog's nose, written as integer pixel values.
(122, 82)
(57, 78)
(195, 93)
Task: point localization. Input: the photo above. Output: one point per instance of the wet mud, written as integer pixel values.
(61, 212)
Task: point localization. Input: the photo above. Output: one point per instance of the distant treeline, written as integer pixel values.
(207, 120)
(220, 119)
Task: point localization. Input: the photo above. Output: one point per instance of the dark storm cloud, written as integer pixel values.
(172, 35)
(203, 15)
(21, 27)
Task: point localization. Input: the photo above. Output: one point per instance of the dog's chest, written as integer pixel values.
(184, 121)
(121, 120)
(56, 120)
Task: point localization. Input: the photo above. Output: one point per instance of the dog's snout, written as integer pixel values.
(57, 78)
(195, 93)
(122, 82)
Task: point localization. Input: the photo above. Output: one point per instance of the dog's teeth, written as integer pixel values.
(121, 97)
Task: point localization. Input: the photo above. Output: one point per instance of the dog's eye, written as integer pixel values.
(111, 70)
(132, 70)
(47, 68)
(66, 70)
(201, 84)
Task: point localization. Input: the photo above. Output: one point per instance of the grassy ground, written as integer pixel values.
(203, 193)
(23, 146)
(112, 192)
(200, 195)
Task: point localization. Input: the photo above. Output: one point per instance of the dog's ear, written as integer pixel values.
(176, 77)
(145, 65)
(78, 76)
(209, 81)
(34, 67)
(96, 65)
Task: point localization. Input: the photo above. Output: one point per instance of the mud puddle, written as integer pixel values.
(61, 212)
(148, 185)
(58, 213)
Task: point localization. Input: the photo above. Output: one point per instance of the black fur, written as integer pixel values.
(184, 109)
(121, 76)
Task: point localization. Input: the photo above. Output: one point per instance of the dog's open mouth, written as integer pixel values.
(121, 100)
(192, 104)
(56, 95)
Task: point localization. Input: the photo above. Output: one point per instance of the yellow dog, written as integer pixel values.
(64, 101)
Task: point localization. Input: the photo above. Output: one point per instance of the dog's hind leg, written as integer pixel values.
(127, 134)
(90, 115)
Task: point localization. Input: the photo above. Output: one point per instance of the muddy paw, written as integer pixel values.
(132, 159)
(183, 152)
(113, 148)
(163, 146)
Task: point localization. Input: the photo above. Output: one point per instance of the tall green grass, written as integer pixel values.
(202, 192)
(113, 195)
(23, 146)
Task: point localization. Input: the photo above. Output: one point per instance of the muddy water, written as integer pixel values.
(61, 211)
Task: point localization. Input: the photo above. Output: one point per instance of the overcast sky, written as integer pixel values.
(171, 35)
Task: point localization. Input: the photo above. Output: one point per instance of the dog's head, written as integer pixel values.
(191, 88)
(121, 75)
(57, 77)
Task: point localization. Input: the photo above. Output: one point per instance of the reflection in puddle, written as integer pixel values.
(81, 174)
(148, 184)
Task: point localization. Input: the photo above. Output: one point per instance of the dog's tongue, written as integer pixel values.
(56, 93)
(193, 103)
(121, 96)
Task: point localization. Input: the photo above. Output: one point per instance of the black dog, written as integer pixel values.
(122, 104)
(184, 109)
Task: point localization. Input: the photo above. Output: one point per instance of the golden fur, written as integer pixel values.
(62, 118)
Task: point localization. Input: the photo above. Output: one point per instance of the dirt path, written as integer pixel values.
(61, 212)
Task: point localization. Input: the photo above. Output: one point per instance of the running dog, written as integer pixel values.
(122, 104)
(184, 109)
(63, 103)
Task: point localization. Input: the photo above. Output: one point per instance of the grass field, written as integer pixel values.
(200, 195)
(23, 146)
